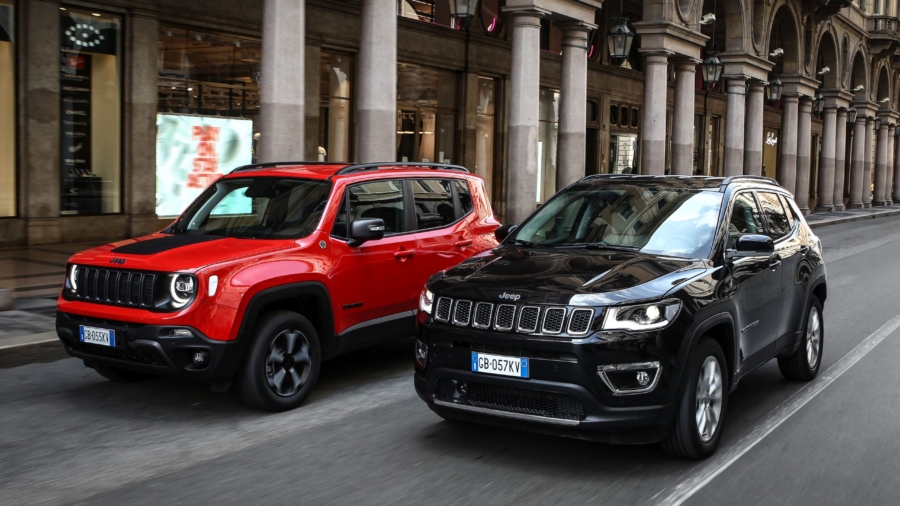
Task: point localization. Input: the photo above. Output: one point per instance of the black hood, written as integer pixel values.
(553, 276)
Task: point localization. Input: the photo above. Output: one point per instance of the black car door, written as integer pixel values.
(757, 278)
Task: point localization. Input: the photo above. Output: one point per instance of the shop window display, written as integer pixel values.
(7, 110)
(335, 108)
(547, 136)
(426, 114)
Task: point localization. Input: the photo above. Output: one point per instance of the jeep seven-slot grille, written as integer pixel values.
(120, 288)
(512, 317)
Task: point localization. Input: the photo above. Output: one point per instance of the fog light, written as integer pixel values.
(180, 333)
(421, 353)
(643, 378)
(201, 358)
(630, 379)
(460, 392)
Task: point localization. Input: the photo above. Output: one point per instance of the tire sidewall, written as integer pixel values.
(706, 348)
(812, 372)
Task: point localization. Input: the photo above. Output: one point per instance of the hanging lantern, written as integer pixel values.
(851, 114)
(620, 38)
(712, 69)
(774, 90)
(819, 103)
(463, 10)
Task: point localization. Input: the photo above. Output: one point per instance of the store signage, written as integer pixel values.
(192, 152)
(771, 139)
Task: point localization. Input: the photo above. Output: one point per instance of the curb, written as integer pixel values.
(11, 344)
(848, 219)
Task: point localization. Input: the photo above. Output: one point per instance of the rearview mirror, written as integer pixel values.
(365, 229)
(504, 231)
(755, 244)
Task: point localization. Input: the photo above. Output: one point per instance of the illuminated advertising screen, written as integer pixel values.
(192, 152)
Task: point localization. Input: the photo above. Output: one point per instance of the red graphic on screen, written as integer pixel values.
(206, 163)
(74, 61)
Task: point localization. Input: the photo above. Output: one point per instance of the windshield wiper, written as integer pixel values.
(601, 245)
(522, 242)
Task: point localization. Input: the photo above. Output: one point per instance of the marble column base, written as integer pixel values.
(879, 203)
(855, 205)
(805, 211)
(867, 205)
(839, 207)
(824, 209)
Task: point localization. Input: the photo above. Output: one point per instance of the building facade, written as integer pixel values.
(114, 114)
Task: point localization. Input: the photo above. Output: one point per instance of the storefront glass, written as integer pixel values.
(335, 108)
(484, 131)
(624, 121)
(7, 110)
(430, 11)
(91, 112)
(547, 135)
(426, 114)
(208, 108)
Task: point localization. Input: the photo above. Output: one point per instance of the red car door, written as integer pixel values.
(444, 237)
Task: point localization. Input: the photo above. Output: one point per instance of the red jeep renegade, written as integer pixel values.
(274, 268)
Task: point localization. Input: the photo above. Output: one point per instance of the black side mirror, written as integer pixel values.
(755, 244)
(504, 231)
(365, 229)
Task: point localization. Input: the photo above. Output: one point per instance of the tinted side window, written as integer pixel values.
(375, 199)
(745, 217)
(434, 203)
(779, 226)
(464, 196)
(788, 212)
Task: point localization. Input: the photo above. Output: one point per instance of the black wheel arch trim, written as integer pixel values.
(699, 330)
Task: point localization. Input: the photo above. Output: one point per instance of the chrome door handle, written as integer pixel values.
(775, 264)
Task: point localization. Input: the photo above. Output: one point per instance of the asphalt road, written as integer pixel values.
(69, 437)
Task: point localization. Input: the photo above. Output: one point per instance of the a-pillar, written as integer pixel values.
(734, 127)
(787, 166)
(889, 168)
(376, 109)
(881, 154)
(840, 150)
(570, 147)
(804, 141)
(857, 163)
(524, 95)
(683, 119)
(281, 94)
(825, 191)
(868, 164)
(653, 142)
(753, 133)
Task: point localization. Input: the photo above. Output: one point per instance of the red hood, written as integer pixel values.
(170, 257)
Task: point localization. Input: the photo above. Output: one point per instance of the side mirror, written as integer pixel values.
(504, 231)
(365, 229)
(755, 244)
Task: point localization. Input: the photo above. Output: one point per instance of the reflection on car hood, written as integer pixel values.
(553, 276)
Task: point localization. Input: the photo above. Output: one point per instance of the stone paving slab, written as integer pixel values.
(819, 220)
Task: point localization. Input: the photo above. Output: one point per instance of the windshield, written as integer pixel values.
(671, 221)
(257, 208)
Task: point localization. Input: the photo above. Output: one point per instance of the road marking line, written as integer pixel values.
(706, 472)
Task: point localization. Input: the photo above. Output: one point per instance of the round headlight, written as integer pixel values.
(73, 277)
(181, 288)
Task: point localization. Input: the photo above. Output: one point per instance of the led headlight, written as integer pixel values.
(73, 278)
(641, 317)
(182, 289)
(426, 301)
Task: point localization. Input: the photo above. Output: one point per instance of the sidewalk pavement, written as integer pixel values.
(33, 275)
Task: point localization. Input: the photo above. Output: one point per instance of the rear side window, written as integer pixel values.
(375, 199)
(779, 226)
(745, 217)
(434, 202)
(464, 196)
(788, 211)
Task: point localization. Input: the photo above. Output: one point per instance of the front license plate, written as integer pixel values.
(93, 335)
(497, 364)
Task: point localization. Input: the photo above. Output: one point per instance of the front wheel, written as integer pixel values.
(803, 364)
(283, 362)
(697, 428)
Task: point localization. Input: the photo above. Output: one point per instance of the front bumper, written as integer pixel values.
(152, 348)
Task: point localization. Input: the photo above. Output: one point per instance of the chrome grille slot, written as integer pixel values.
(506, 315)
(442, 312)
(462, 313)
(554, 318)
(580, 321)
(483, 313)
(528, 319)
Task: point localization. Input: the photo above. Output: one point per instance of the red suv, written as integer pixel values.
(274, 268)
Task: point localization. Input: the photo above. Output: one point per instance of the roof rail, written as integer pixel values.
(257, 166)
(375, 166)
(731, 179)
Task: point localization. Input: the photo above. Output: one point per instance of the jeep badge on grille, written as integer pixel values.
(510, 296)
(118, 261)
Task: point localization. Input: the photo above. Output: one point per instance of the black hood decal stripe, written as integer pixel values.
(154, 246)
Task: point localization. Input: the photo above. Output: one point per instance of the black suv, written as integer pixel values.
(626, 309)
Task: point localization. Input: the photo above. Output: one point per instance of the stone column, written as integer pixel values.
(804, 141)
(787, 159)
(281, 95)
(572, 100)
(889, 168)
(857, 163)
(376, 85)
(896, 195)
(653, 131)
(826, 161)
(881, 152)
(868, 164)
(840, 150)
(753, 130)
(683, 119)
(734, 128)
(524, 96)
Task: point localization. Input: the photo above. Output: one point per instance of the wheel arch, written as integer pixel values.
(820, 289)
(720, 327)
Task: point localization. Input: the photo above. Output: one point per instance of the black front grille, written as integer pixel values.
(580, 321)
(553, 320)
(513, 400)
(528, 319)
(506, 314)
(137, 355)
(483, 312)
(442, 313)
(111, 286)
(463, 312)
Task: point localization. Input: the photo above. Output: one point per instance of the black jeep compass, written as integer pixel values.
(626, 309)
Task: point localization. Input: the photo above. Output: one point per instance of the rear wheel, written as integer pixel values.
(122, 375)
(283, 362)
(803, 364)
(697, 427)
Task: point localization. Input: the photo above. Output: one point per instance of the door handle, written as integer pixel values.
(463, 243)
(775, 264)
(804, 250)
(403, 254)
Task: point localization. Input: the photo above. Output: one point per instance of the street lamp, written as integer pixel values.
(819, 103)
(712, 69)
(851, 114)
(463, 11)
(774, 90)
(620, 38)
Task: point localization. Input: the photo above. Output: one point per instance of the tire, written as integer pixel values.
(803, 364)
(282, 364)
(711, 390)
(122, 375)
